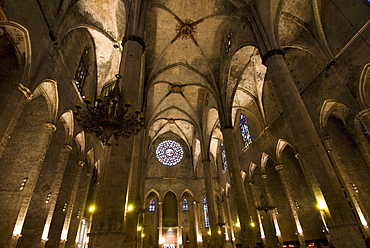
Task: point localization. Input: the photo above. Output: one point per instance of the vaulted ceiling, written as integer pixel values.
(192, 78)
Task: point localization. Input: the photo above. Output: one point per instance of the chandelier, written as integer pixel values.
(108, 115)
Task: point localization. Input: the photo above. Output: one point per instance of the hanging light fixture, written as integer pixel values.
(109, 114)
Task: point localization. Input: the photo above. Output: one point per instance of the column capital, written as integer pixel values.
(279, 167)
(67, 147)
(26, 92)
(270, 54)
(136, 38)
(51, 125)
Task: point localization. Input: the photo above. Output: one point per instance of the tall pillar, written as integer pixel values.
(71, 205)
(107, 224)
(292, 205)
(211, 203)
(26, 193)
(341, 170)
(160, 222)
(313, 157)
(237, 185)
(120, 185)
(55, 188)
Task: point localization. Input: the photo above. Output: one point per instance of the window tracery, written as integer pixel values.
(169, 152)
(82, 69)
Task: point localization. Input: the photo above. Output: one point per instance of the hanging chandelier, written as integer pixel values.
(108, 115)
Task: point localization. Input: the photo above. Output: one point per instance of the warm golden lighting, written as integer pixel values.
(130, 208)
(142, 235)
(252, 224)
(219, 231)
(209, 232)
(321, 205)
(139, 228)
(237, 224)
(92, 209)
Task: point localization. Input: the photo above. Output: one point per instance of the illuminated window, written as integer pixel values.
(151, 206)
(244, 129)
(228, 43)
(185, 205)
(205, 208)
(169, 152)
(223, 157)
(82, 69)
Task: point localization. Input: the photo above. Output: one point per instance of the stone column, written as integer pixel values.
(211, 203)
(71, 205)
(316, 164)
(237, 185)
(107, 224)
(292, 205)
(55, 187)
(160, 222)
(341, 170)
(25, 194)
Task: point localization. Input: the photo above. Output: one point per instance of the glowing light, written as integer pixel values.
(237, 224)
(63, 236)
(17, 230)
(92, 209)
(321, 205)
(139, 228)
(362, 218)
(130, 208)
(209, 232)
(142, 235)
(253, 224)
(299, 228)
(219, 231)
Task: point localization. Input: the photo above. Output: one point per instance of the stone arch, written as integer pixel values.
(280, 146)
(333, 107)
(80, 140)
(68, 122)
(264, 159)
(21, 40)
(48, 89)
(364, 86)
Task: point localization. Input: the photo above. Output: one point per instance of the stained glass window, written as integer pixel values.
(205, 208)
(169, 152)
(228, 43)
(82, 69)
(151, 206)
(244, 129)
(185, 205)
(223, 157)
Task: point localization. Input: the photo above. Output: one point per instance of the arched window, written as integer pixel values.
(151, 205)
(185, 205)
(82, 69)
(223, 157)
(244, 129)
(205, 209)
